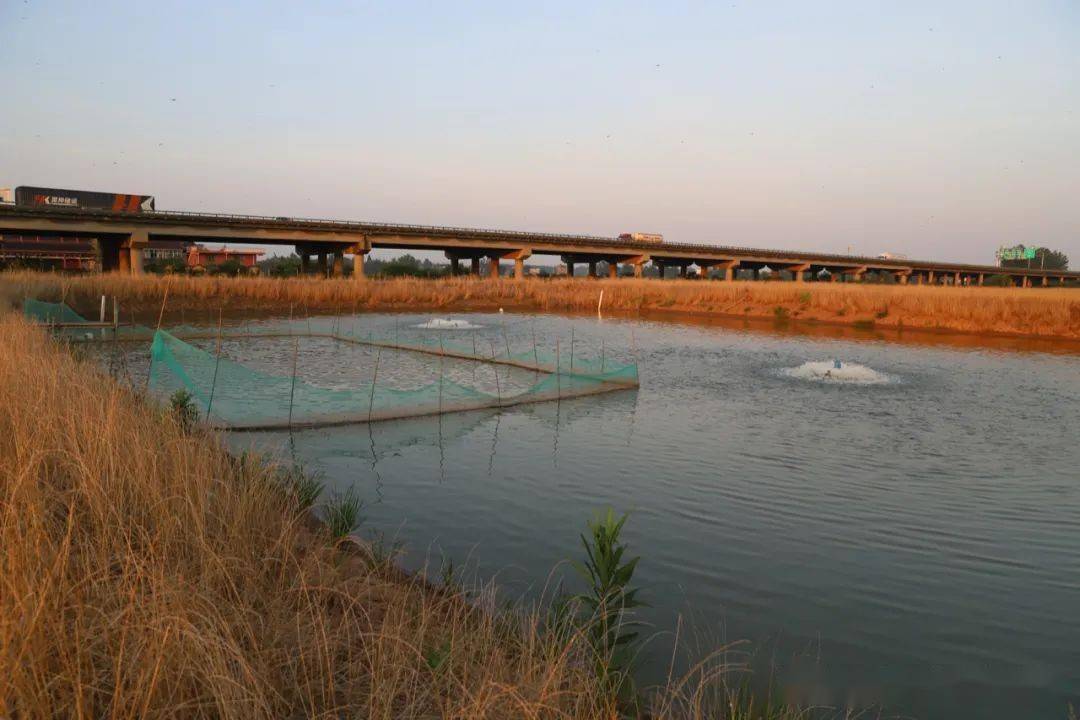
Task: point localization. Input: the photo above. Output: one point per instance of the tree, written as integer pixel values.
(281, 266)
(1045, 259)
(230, 267)
(406, 265)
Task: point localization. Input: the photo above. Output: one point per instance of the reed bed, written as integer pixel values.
(147, 572)
(1049, 312)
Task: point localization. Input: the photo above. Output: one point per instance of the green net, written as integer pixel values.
(239, 397)
(235, 396)
(52, 313)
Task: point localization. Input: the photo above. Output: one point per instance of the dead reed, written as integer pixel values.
(146, 573)
(1051, 312)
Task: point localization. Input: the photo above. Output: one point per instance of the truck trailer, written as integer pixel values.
(56, 197)
(654, 238)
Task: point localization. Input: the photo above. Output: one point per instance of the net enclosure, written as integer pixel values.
(236, 396)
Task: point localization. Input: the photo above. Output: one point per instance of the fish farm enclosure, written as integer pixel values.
(310, 374)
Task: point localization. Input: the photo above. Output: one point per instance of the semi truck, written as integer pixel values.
(56, 197)
(640, 237)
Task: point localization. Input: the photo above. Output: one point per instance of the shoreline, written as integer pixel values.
(1043, 314)
(195, 577)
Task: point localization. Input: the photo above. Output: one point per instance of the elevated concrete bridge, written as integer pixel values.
(123, 237)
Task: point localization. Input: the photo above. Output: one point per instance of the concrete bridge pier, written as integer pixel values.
(493, 266)
(661, 268)
(359, 252)
(455, 266)
(569, 268)
(338, 267)
(130, 255)
(519, 257)
(592, 268)
(474, 268)
(902, 276)
(798, 272)
(729, 267)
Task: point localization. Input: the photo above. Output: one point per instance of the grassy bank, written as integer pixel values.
(1047, 312)
(147, 572)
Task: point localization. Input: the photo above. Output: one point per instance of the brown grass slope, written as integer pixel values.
(1048, 312)
(146, 573)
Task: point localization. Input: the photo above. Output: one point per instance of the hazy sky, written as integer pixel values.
(936, 129)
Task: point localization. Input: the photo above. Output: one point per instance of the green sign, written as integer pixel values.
(1016, 253)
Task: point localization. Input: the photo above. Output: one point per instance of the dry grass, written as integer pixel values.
(148, 573)
(1050, 312)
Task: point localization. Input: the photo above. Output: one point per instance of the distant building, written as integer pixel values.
(202, 256)
(160, 250)
(54, 251)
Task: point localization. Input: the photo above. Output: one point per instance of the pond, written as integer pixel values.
(901, 531)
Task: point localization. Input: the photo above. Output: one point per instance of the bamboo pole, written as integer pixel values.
(374, 379)
(558, 371)
(161, 316)
(495, 369)
(571, 349)
(292, 389)
(217, 363)
(536, 356)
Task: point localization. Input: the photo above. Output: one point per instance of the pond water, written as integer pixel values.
(900, 532)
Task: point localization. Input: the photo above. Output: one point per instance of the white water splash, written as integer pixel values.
(846, 373)
(447, 324)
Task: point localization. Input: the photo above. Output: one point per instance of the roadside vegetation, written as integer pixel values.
(148, 572)
(1047, 312)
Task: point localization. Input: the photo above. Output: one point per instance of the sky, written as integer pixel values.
(936, 130)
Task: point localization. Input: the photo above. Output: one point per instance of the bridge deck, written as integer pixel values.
(131, 231)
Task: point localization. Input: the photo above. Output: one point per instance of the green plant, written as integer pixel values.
(436, 657)
(882, 313)
(609, 598)
(183, 408)
(446, 572)
(230, 268)
(382, 552)
(305, 486)
(343, 514)
(804, 298)
(780, 313)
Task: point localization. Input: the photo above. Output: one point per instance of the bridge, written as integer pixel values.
(123, 236)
